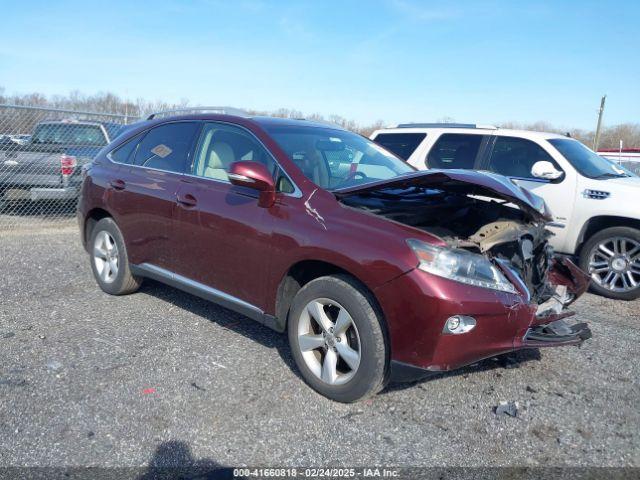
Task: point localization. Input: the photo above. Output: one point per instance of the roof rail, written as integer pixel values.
(219, 110)
(445, 125)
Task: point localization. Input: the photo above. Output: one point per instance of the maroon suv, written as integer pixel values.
(376, 270)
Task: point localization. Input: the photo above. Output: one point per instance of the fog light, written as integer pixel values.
(459, 324)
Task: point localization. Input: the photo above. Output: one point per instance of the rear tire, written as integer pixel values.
(337, 339)
(612, 258)
(109, 259)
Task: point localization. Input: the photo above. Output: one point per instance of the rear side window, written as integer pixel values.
(455, 150)
(401, 144)
(514, 157)
(167, 147)
(126, 152)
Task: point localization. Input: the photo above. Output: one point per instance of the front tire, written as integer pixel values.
(612, 258)
(337, 339)
(109, 259)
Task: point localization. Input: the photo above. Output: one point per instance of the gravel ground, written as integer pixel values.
(162, 376)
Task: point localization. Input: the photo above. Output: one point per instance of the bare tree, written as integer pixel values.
(107, 102)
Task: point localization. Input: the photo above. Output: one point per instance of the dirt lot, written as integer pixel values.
(89, 379)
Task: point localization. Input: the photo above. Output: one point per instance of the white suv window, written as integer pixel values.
(514, 157)
(455, 150)
(401, 144)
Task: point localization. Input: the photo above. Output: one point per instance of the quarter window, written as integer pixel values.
(167, 147)
(126, 152)
(514, 157)
(454, 150)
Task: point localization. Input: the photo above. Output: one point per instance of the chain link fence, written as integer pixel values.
(42, 151)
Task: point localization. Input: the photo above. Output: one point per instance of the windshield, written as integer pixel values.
(585, 161)
(69, 134)
(335, 158)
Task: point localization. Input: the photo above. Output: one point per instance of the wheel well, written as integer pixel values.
(93, 217)
(596, 224)
(298, 276)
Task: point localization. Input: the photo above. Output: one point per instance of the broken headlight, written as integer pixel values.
(460, 265)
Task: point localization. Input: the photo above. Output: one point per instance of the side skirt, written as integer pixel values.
(211, 294)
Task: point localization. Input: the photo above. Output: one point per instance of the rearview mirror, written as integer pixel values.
(256, 176)
(545, 170)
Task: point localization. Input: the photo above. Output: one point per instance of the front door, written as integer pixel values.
(514, 157)
(223, 238)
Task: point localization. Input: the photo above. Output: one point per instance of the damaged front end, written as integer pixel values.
(549, 327)
(488, 216)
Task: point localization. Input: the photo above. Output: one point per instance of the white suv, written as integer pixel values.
(595, 203)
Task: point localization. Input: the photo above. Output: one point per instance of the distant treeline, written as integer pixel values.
(610, 136)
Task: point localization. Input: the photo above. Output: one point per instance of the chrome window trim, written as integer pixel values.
(297, 193)
(237, 176)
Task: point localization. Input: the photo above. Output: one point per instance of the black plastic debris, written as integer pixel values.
(198, 387)
(505, 409)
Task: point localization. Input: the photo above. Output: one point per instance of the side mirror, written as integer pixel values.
(256, 176)
(545, 170)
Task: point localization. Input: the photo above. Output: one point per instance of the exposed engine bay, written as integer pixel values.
(492, 227)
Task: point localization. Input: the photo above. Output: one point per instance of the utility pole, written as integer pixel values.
(596, 139)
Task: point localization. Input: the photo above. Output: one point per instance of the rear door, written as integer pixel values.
(143, 191)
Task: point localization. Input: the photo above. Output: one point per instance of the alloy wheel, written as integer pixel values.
(329, 341)
(614, 264)
(106, 257)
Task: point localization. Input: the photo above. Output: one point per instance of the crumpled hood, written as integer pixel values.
(467, 182)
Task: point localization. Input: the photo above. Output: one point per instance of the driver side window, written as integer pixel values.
(220, 145)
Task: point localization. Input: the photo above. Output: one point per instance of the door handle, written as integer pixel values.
(117, 184)
(186, 200)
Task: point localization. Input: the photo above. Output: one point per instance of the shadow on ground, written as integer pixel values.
(174, 459)
(507, 360)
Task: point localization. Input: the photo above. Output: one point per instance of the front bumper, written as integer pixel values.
(418, 304)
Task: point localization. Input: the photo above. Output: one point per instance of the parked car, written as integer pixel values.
(47, 166)
(374, 269)
(6, 142)
(21, 139)
(593, 201)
